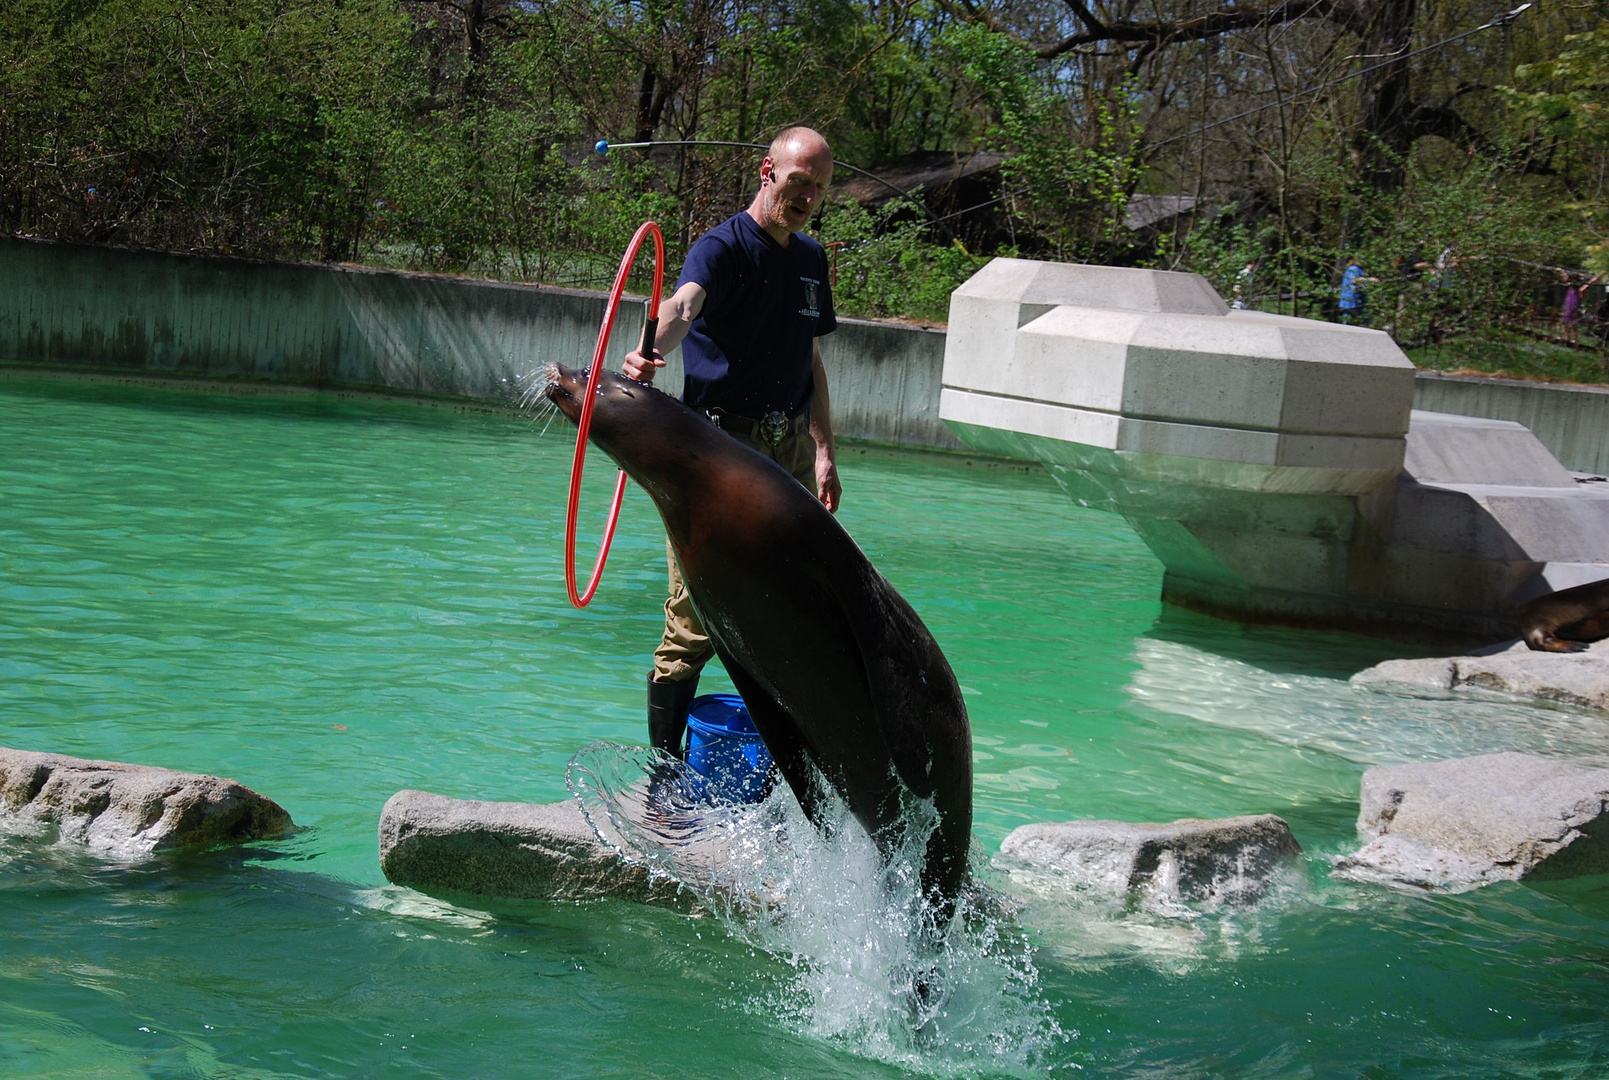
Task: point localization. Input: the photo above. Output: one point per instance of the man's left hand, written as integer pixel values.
(827, 485)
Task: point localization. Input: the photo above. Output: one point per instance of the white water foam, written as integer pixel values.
(870, 972)
(1089, 928)
(1357, 724)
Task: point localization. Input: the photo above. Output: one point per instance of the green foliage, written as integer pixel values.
(1570, 93)
(890, 269)
(1071, 185)
(1568, 96)
(1218, 250)
(1491, 228)
(1454, 253)
(1514, 355)
(455, 138)
(249, 128)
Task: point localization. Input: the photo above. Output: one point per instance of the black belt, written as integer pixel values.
(772, 428)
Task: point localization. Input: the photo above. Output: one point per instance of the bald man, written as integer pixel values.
(752, 303)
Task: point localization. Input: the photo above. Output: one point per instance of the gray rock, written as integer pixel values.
(1224, 860)
(1579, 680)
(1467, 822)
(524, 851)
(118, 810)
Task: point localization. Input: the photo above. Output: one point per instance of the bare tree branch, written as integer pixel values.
(1158, 33)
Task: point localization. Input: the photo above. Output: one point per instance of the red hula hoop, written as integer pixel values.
(584, 424)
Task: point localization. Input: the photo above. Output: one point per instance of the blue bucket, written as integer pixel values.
(724, 748)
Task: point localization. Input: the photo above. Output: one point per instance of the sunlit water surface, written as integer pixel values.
(333, 600)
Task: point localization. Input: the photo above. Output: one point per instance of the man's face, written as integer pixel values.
(795, 182)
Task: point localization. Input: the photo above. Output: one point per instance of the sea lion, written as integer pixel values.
(1566, 620)
(840, 676)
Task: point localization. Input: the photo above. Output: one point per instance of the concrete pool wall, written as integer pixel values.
(109, 309)
(106, 309)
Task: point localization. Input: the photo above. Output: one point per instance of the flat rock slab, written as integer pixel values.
(119, 810)
(1467, 822)
(512, 850)
(1226, 860)
(1576, 679)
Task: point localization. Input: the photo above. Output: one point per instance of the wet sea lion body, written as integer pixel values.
(1567, 620)
(839, 674)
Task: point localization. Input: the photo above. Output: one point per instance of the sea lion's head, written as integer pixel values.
(620, 402)
(645, 430)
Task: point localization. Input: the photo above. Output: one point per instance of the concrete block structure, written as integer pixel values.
(1157, 381)
(1272, 463)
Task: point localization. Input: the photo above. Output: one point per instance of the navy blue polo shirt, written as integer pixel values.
(750, 348)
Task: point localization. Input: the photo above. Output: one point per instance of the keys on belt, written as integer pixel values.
(772, 428)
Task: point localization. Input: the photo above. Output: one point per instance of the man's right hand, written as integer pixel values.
(642, 369)
(675, 317)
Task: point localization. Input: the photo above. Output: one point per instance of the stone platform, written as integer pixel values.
(116, 810)
(1459, 824)
(1146, 377)
(1227, 860)
(509, 850)
(1579, 680)
(526, 851)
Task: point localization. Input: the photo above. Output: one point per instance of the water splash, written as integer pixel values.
(869, 968)
(1089, 927)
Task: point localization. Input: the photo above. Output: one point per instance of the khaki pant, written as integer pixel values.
(685, 648)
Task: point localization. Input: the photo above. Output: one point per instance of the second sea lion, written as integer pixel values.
(1567, 620)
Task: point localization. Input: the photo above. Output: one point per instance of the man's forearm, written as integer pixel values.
(676, 317)
(820, 402)
(670, 333)
(828, 486)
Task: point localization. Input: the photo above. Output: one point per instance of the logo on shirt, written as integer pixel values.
(812, 309)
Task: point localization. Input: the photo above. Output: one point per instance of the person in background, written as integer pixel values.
(1354, 302)
(1245, 282)
(1575, 291)
(753, 300)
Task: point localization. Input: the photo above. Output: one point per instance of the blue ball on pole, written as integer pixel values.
(601, 146)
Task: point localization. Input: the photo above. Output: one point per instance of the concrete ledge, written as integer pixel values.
(519, 851)
(1150, 362)
(1580, 680)
(1459, 824)
(1224, 457)
(118, 810)
(1571, 421)
(64, 305)
(1227, 860)
(89, 308)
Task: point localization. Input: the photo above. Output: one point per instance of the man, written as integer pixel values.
(752, 301)
(1354, 303)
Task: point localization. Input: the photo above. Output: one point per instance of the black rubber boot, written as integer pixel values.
(667, 713)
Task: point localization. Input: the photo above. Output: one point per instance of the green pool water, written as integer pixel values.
(334, 600)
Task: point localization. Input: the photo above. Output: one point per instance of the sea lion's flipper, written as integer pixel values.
(1592, 628)
(781, 737)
